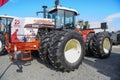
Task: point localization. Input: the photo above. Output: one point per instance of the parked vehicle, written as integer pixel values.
(115, 36)
(57, 39)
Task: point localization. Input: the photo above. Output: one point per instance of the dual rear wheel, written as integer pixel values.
(99, 44)
(65, 50)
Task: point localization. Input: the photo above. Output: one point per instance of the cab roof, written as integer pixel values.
(63, 8)
(5, 16)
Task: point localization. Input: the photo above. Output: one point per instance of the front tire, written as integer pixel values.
(66, 50)
(43, 47)
(43, 53)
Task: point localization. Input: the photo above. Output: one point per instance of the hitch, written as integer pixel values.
(24, 55)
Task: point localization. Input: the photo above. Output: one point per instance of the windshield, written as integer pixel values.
(63, 18)
(4, 22)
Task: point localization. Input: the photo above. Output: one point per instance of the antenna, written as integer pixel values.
(44, 11)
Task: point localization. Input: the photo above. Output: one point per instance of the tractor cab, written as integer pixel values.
(5, 22)
(63, 17)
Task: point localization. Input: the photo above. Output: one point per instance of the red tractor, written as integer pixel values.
(56, 39)
(67, 54)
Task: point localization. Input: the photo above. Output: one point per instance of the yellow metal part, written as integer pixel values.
(106, 45)
(71, 44)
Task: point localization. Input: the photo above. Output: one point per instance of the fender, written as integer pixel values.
(86, 32)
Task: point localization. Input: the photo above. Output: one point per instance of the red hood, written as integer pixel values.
(2, 2)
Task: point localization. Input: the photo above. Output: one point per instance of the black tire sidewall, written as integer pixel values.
(100, 37)
(72, 35)
(88, 43)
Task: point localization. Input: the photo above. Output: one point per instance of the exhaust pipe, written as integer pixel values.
(44, 11)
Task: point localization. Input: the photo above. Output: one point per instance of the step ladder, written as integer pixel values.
(26, 55)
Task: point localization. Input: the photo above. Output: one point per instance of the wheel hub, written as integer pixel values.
(106, 45)
(72, 51)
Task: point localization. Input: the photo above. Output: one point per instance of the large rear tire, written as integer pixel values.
(66, 50)
(88, 44)
(43, 52)
(43, 47)
(102, 45)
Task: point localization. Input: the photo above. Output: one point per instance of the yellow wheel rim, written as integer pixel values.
(106, 45)
(72, 50)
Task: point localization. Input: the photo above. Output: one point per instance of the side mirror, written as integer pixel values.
(104, 25)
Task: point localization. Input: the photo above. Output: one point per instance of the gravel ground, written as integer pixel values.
(91, 69)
